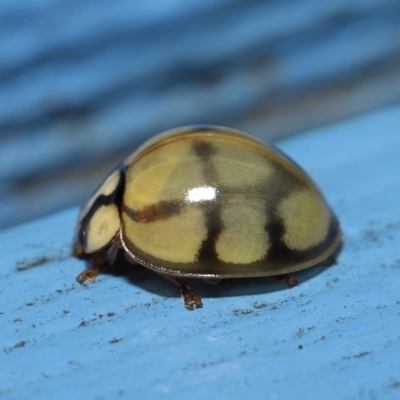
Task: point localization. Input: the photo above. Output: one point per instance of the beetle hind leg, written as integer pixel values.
(289, 279)
(191, 299)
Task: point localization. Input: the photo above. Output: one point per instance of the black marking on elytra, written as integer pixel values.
(203, 149)
(279, 257)
(284, 184)
(103, 200)
(282, 254)
(214, 224)
(279, 252)
(207, 251)
(161, 210)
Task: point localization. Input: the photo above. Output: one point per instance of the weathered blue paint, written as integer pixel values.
(83, 83)
(336, 335)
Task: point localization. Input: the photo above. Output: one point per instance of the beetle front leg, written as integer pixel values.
(90, 274)
(99, 262)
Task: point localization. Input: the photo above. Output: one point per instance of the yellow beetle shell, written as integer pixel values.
(211, 202)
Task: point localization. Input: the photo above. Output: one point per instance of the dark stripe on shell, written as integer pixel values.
(279, 259)
(207, 251)
(154, 212)
(279, 252)
(220, 269)
(285, 183)
(204, 150)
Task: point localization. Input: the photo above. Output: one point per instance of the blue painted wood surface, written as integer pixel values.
(83, 82)
(127, 335)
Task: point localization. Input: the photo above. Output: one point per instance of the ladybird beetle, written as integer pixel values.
(207, 202)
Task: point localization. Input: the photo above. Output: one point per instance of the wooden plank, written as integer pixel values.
(82, 84)
(334, 336)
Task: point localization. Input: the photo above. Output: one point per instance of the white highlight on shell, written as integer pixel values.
(201, 193)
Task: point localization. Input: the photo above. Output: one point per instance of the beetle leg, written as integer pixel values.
(332, 259)
(212, 281)
(191, 299)
(329, 261)
(99, 262)
(90, 274)
(290, 280)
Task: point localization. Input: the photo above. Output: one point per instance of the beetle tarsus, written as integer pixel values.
(290, 280)
(89, 274)
(191, 299)
(98, 263)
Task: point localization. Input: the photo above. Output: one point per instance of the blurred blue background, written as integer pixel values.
(82, 83)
